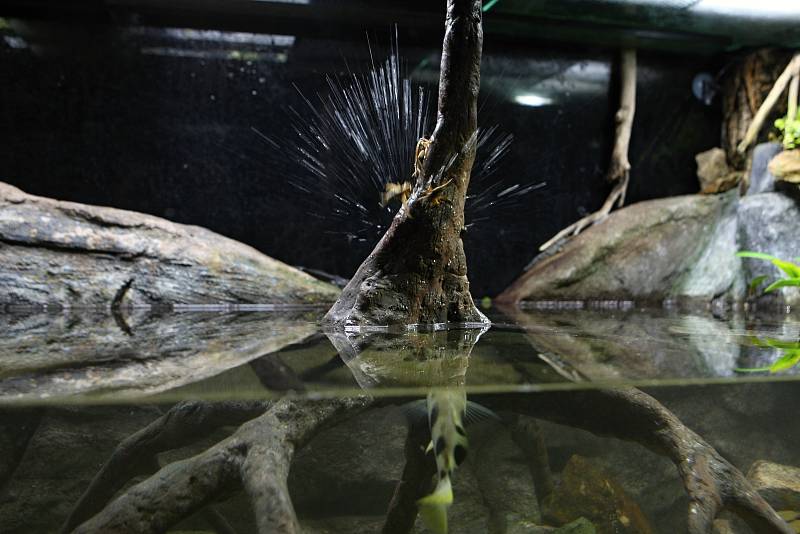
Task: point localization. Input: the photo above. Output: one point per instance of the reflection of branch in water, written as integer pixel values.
(562, 367)
(320, 371)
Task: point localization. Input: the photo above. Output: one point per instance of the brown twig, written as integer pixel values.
(619, 169)
(791, 70)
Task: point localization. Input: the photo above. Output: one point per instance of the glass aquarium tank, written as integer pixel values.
(500, 266)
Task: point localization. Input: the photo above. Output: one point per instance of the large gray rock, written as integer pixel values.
(69, 254)
(668, 248)
(770, 223)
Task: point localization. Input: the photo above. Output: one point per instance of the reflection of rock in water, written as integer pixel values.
(638, 345)
(88, 353)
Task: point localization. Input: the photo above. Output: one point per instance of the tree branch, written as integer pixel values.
(791, 70)
(257, 456)
(619, 168)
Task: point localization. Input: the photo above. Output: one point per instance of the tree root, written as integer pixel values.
(527, 435)
(617, 196)
(181, 425)
(711, 482)
(257, 457)
(414, 483)
(619, 170)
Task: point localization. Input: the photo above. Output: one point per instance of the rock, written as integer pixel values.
(68, 254)
(714, 173)
(586, 491)
(350, 469)
(579, 526)
(65, 355)
(761, 180)
(770, 223)
(778, 484)
(678, 247)
(786, 166)
(503, 477)
(66, 450)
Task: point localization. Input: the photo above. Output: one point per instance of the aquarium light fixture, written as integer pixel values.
(303, 2)
(15, 42)
(263, 39)
(532, 99)
(762, 9)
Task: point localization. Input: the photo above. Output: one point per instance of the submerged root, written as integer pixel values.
(257, 457)
(712, 483)
(183, 424)
(414, 483)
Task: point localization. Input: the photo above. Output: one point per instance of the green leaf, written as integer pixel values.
(780, 344)
(756, 255)
(786, 361)
(751, 369)
(755, 282)
(787, 282)
(791, 270)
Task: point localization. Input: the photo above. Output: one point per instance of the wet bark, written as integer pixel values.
(417, 273)
(183, 424)
(256, 458)
(415, 482)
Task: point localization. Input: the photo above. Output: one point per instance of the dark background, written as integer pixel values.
(120, 109)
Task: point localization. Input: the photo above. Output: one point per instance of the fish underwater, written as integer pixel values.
(448, 411)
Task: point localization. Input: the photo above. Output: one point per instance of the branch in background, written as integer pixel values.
(791, 114)
(619, 169)
(792, 70)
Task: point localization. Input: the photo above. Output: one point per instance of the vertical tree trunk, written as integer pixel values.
(417, 273)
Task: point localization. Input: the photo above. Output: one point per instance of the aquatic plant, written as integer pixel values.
(789, 358)
(790, 270)
(789, 128)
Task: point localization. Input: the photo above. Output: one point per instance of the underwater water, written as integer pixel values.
(76, 385)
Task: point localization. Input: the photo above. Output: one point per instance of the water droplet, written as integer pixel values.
(254, 92)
